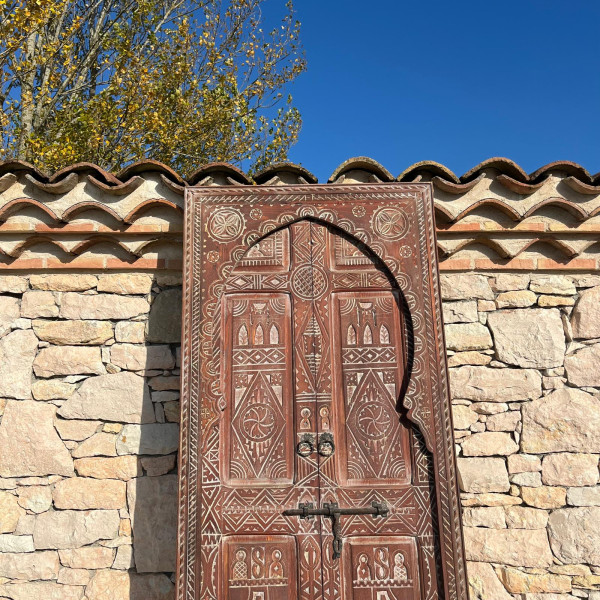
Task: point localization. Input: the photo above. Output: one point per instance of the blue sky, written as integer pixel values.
(454, 82)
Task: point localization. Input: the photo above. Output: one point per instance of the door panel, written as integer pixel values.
(373, 446)
(260, 568)
(379, 568)
(258, 435)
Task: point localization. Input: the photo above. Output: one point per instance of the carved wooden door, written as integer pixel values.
(311, 466)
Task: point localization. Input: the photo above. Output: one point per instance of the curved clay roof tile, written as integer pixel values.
(363, 163)
(18, 166)
(504, 165)
(152, 166)
(427, 166)
(226, 169)
(271, 171)
(564, 166)
(85, 168)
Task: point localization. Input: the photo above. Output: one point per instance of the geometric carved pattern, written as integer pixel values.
(259, 569)
(370, 366)
(258, 426)
(381, 570)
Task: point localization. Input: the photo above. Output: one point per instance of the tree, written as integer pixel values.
(113, 81)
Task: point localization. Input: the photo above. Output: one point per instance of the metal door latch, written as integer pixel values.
(334, 512)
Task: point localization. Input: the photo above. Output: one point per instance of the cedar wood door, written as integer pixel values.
(310, 399)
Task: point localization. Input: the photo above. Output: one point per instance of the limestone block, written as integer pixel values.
(495, 385)
(30, 566)
(481, 475)
(133, 332)
(35, 498)
(517, 299)
(41, 590)
(120, 467)
(16, 543)
(139, 358)
(524, 463)
(82, 493)
(506, 421)
(172, 411)
(17, 351)
(76, 430)
(572, 538)
(73, 528)
(567, 420)
(464, 311)
(468, 358)
(552, 301)
(63, 333)
(544, 496)
(484, 516)
(570, 469)
(63, 282)
(122, 397)
(118, 585)
(467, 336)
(156, 438)
(9, 313)
(10, 512)
(585, 319)
(152, 503)
(100, 444)
(489, 443)
(519, 582)
(26, 524)
(68, 360)
(158, 465)
(43, 454)
(489, 408)
(125, 283)
(73, 576)
(583, 367)
(583, 496)
(507, 282)
(513, 547)
(52, 389)
(529, 337)
(13, 284)
(90, 557)
(164, 322)
(524, 517)
(38, 304)
(165, 383)
(463, 417)
(102, 306)
(484, 583)
(124, 559)
(461, 286)
(527, 479)
(552, 284)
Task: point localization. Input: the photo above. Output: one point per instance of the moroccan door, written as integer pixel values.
(309, 468)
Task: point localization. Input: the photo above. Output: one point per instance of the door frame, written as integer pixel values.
(239, 224)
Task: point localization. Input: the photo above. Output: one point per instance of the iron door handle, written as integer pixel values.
(334, 512)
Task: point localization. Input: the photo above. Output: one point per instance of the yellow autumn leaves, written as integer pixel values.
(114, 81)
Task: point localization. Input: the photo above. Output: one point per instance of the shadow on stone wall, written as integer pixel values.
(152, 497)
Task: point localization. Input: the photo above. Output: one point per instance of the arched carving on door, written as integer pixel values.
(252, 255)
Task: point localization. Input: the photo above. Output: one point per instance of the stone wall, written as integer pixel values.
(525, 383)
(90, 297)
(89, 369)
(89, 405)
